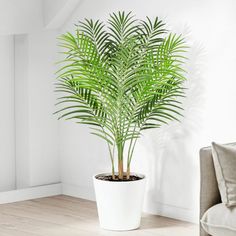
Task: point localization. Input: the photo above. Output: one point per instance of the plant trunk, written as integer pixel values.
(120, 169)
(128, 172)
(120, 162)
(113, 172)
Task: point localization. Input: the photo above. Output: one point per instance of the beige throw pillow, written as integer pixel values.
(224, 158)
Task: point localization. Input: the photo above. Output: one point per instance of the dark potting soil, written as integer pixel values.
(109, 178)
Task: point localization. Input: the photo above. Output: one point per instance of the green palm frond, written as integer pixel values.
(121, 79)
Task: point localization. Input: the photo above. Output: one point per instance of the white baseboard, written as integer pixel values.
(30, 193)
(155, 208)
(174, 212)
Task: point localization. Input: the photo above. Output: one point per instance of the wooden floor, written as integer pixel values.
(67, 216)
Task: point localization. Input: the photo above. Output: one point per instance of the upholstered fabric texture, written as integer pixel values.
(220, 220)
(224, 158)
(209, 194)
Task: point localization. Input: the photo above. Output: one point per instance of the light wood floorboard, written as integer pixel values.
(68, 216)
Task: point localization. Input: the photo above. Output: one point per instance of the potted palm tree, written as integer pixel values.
(120, 79)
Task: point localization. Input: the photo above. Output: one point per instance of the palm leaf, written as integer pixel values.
(121, 79)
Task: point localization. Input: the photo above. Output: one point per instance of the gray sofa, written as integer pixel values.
(216, 217)
(209, 192)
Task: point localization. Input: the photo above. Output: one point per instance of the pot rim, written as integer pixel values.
(142, 176)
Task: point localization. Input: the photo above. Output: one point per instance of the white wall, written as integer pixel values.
(43, 130)
(7, 140)
(18, 17)
(29, 131)
(169, 156)
(36, 127)
(26, 16)
(21, 111)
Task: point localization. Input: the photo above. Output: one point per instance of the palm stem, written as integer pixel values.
(132, 151)
(120, 161)
(128, 171)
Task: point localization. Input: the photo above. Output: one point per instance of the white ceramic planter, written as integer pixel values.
(119, 203)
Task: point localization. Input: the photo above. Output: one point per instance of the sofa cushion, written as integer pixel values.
(220, 220)
(224, 158)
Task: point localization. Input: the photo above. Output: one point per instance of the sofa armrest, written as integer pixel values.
(209, 192)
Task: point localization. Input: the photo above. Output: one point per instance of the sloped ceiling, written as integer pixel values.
(56, 12)
(25, 16)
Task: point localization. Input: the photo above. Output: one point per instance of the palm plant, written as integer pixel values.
(121, 79)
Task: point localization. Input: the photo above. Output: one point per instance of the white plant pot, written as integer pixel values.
(119, 203)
